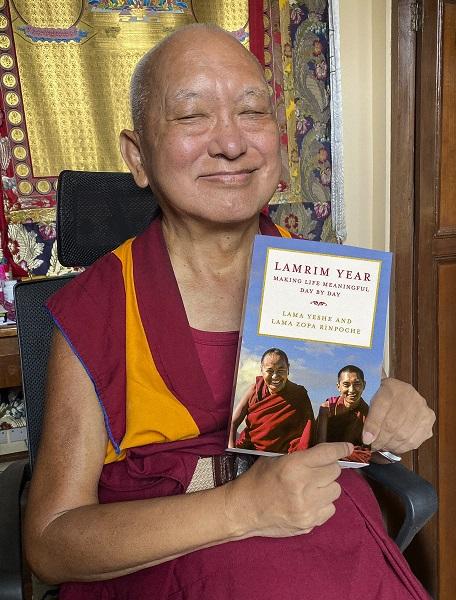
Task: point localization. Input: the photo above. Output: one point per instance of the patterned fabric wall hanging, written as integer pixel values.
(62, 66)
(298, 32)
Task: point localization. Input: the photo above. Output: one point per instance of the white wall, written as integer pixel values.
(365, 46)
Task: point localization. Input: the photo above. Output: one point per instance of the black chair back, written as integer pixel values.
(35, 327)
(96, 212)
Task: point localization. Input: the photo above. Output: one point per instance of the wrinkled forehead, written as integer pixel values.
(186, 72)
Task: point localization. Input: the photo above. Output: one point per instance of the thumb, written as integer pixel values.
(325, 454)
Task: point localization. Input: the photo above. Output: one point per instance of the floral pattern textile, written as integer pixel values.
(302, 91)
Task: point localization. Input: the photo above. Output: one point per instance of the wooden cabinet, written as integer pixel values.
(10, 366)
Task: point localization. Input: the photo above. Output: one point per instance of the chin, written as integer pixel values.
(232, 206)
(231, 217)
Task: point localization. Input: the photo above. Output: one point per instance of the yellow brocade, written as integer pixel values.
(75, 61)
(153, 413)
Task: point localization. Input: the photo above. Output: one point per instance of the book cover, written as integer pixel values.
(311, 346)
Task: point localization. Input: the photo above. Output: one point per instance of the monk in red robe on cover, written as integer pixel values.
(277, 412)
(341, 418)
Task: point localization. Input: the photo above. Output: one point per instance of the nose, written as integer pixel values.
(227, 139)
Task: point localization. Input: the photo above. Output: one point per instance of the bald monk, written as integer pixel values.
(277, 412)
(132, 495)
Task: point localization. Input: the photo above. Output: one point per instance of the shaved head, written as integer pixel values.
(205, 136)
(156, 64)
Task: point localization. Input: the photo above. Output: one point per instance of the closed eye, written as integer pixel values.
(254, 112)
(192, 117)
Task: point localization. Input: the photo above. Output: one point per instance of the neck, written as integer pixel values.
(210, 262)
(207, 248)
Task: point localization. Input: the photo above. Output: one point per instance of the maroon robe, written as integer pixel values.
(349, 557)
(277, 422)
(334, 424)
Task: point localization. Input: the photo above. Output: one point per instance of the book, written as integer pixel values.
(311, 346)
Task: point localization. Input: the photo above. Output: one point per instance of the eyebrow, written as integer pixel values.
(189, 94)
(256, 92)
(185, 94)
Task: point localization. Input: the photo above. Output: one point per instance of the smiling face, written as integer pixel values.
(275, 372)
(210, 145)
(351, 387)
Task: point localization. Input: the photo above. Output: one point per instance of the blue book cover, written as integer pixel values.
(311, 346)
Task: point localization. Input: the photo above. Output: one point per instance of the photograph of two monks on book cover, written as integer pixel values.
(311, 347)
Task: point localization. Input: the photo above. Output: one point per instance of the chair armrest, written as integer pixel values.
(417, 495)
(12, 481)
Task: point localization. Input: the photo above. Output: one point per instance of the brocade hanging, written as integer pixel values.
(64, 76)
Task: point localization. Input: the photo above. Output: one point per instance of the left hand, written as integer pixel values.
(399, 419)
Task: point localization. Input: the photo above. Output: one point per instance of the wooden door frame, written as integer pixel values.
(414, 154)
(402, 190)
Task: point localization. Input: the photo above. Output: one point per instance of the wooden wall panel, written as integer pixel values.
(447, 213)
(447, 421)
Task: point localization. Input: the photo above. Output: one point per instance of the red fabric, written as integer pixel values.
(16, 270)
(304, 441)
(82, 310)
(217, 355)
(277, 422)
(256, 29)
(343, 426)
(349, 557)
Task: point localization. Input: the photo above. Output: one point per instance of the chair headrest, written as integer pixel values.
(96, 212)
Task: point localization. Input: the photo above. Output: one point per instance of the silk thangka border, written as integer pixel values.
(303, 205)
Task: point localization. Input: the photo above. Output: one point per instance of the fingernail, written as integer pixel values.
(368, 438)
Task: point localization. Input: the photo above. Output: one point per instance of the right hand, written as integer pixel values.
(288, 495)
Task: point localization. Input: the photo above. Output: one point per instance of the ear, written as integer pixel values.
(131, 153)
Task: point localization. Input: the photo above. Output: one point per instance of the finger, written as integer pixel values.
(378, 411)
(324, 454)
(327, 475)
(333, 491)
(410, 435)
(325, 513)
(414, 441)
(396, 428)
(409, 420)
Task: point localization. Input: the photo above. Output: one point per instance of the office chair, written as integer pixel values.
(95, 213)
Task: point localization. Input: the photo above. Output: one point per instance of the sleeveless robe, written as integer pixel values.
(125, 320)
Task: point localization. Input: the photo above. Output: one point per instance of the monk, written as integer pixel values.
(277, 412)
(341, 418)
(133, 495)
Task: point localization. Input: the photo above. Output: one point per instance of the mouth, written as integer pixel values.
(237, 177)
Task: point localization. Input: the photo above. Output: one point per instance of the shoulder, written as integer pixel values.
(330, 401)
(94, 284)
(295, 389)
